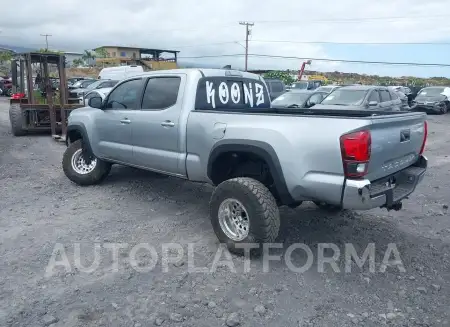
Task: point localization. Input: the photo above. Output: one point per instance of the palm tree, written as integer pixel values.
(88, 56)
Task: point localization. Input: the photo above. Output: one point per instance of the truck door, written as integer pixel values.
(113, 123)
(157, 141)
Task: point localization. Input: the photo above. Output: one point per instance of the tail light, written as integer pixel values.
(355, 149)
(425, 135)
(16, 96)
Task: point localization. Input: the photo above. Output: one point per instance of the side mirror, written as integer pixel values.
(95, 102)
(373, 103)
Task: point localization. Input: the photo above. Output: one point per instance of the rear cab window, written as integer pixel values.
(276, 86)
(231, 93)
(161, 92)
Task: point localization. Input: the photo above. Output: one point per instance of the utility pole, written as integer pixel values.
(46, 40)
(247, 33)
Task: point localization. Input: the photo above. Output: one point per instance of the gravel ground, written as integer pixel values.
(40, 208)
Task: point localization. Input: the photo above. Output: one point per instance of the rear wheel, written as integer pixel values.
(16, 118)
(83, 168)
(243, 210)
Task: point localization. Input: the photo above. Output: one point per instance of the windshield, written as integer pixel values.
(345, 97)
(93, 85)
(83, 84)
(301, 86)
(325, 88)
(431, 91)
(290, 98)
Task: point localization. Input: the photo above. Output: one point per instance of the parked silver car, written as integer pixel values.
(102, 93)
(99, 84)
(328, 88)
(299, 99)
(362, 97)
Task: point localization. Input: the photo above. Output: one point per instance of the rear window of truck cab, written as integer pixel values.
(230, 93)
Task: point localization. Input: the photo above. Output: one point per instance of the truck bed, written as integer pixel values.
(306, 142)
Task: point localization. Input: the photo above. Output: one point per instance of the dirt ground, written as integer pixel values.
(40, 209)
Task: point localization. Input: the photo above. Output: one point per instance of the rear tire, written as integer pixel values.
(242, 210)
(16, 120)
(82, 171)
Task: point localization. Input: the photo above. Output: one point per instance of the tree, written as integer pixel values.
(101, 53)
(286, 77)
(42, 50)
(78, 62)
(5, 57)
(88, 56)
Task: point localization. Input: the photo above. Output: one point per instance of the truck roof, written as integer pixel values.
(206, 72)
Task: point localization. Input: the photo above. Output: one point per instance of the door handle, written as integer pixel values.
(125, 121)
(168, 123)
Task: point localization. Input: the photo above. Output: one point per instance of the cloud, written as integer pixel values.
(190, 25)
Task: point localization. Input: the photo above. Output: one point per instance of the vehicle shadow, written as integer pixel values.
(305, 224)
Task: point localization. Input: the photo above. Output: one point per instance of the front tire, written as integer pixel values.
(243, 210)
(81, 168)
(16, 120)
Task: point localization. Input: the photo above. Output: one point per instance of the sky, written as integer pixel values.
(200, 28)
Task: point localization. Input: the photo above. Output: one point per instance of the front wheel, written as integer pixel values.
(81, 168)
(16, 119)
(243, 211)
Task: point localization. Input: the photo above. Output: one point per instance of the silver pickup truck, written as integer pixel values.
(218, 127)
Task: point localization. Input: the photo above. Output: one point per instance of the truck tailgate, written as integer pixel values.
(396, 143)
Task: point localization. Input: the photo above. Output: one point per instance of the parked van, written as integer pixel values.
(120, 72)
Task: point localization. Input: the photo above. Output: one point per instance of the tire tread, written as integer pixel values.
(95, 177)
(268, 214)
(15, 118)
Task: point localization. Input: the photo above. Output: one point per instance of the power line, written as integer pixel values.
(247, 33)
(204, 45)
(312, 42)
(324, 59)
(347, 20)
(352, 43)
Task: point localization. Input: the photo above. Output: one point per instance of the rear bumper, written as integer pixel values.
(385, 192)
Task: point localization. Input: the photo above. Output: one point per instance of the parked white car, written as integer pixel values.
(120, 72)
(103, 92)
